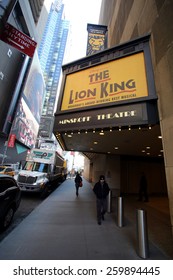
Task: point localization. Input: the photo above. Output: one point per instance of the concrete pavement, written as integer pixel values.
(64, 227)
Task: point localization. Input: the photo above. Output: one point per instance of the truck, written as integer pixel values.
(42, 171)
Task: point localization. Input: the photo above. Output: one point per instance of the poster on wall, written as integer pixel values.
(28, 114)
(97, 38)
(46, 127)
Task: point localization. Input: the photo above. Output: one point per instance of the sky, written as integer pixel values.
(79, 13)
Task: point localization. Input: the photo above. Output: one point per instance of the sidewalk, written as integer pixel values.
(64, 227)
(158, 220)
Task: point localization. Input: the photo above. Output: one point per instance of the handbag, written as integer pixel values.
(80, 184)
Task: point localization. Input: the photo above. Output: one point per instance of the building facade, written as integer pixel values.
(51, 54)
(127, 20)
(14, 70)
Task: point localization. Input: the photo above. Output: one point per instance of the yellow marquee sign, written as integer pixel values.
(110, 82)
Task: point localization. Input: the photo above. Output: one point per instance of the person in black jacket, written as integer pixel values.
(101, 190)
(78, 180)
(143, 188)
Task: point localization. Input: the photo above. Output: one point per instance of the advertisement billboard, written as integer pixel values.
(28, 114)
(107, 83)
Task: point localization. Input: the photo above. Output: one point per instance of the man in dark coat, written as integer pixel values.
(101, 190)
(78, 180)
(143, 189)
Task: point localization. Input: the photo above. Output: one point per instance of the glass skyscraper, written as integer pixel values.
(51, 54)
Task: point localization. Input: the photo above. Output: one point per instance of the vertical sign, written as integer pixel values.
(11, 141)
(97, 38)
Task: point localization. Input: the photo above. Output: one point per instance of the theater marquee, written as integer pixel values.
(136, 114)
(107, 83)
(109, 89)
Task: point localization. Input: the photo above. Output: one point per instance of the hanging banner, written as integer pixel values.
(97, 38)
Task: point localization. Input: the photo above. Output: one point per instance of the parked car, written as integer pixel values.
(10, 197)
(7, 170)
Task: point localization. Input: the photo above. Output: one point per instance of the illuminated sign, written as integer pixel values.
(108, 83)
(136, 114)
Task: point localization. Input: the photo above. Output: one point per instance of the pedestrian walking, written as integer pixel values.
(101, 190)
(78, 182)
(143, 193)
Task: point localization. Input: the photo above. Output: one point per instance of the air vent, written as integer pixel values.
(84, 65)
(129, 50)
(96, 61)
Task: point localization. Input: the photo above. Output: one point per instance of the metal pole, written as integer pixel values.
(120, 212)
(142, 235)
(5, 151)
(110, 201)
